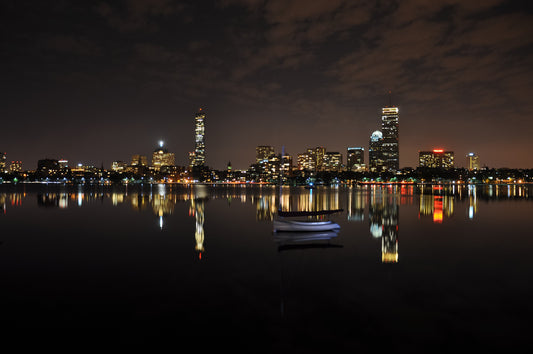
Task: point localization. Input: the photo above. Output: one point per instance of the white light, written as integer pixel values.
(161, 143)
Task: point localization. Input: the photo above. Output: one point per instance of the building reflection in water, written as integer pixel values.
(356, 205)
(10, 200)
(197, 209)
(384, 219)
(383, 201)
(437, 201)
(270, 199)
(472, 201)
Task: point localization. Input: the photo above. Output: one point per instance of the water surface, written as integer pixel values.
(418, 268)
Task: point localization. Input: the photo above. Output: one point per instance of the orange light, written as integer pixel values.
(438, 209)
(438, 150)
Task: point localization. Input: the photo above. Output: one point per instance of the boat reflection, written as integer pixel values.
(305, 240)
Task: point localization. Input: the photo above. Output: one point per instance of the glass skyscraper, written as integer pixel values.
(375, 152)
(390, 144)
(355, 159)
(199, 138)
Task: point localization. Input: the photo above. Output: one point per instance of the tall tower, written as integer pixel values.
(472, 161)
(391, 148)
(199, 138)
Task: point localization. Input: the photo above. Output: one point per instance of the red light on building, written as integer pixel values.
(438, 150)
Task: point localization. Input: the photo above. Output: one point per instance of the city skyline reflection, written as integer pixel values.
(379, 204)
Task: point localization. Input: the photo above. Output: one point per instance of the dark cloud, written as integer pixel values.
(293, 73)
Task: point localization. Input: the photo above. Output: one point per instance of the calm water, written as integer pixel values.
(435, 268)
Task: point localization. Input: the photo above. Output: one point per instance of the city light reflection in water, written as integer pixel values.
(228, 230)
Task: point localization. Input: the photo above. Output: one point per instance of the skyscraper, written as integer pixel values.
(472, 161)
(355, 159)
(390, 127)
(332, 161)
(375, 152)
(199, 139)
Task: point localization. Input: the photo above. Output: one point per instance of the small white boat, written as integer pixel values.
(308, 226)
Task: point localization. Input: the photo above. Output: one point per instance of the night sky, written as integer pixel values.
(97, 81)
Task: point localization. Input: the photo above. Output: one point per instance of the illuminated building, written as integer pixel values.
(47, 167)
(437, 158)
(3, 157)
(332, 161)
(161, 157)
(263, 153)
(313, 159)
(318, 155)
(375, 152)
(199, 139)
(118, 166)
(390, 143)
(306, 162)
(63, 164)
(191, 159)
(267, 161)
(472, 161)
(139, 160)
(286, 164)
(355, 160)
(16, 166)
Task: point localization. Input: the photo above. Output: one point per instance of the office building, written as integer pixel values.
(286, 165)
(438, 158)
(390, 144)
(199, 139)
(63, 164)
(332, 161)
(139, 161)
(118, 166)
(472, 161)
(355, 160)
(47, 167)
(306, 162)
(318, 154)
(313, 159)
(3, 158)
(263, 153)
(16, 166)
(161, 157)
(375, 152)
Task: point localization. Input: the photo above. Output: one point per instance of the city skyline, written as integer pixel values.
(98, 82)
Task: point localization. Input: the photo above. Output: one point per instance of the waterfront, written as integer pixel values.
(429, 268)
